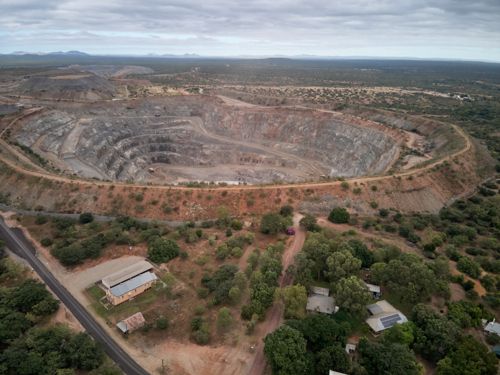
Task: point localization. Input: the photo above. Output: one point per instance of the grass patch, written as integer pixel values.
(125, 309)
(96, 292)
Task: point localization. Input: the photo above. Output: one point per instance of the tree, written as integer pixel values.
(162, 250)
(271, 223)
(388, 359)
(469, 356)
(86, 217)
(234, 295)
(435, 335)
(286, 211)
(83, 352)
(467, 266)
(406, 229)
(442, 269)
(342, 264)
(352, 295)
(361, 252)
(384, 212)
(162, 323)
(224, 319)
(285, 348)
(339, 215)
(107, 368)
(253, 260)
(293, 299)
(309, 222)
(401, 334)
(333, 358)
(240, 280)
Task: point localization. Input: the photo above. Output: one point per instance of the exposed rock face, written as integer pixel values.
(213, 142)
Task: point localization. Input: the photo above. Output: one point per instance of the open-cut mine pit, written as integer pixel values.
(190, 138)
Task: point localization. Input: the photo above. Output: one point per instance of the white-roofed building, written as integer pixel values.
(336, 373)
(126, 274)
(492, 327)
(384, 316)
(320, 291)
(374, 290)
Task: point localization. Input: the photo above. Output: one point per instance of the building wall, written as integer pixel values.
(136, 327)
(125, 297)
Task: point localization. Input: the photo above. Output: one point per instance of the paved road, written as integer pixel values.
(18, 244)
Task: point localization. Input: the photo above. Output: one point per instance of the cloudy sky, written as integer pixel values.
(466, 29)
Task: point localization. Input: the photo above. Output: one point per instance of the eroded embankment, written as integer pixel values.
(428, 190)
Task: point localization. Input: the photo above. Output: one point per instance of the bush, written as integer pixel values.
(378, 227)
(41, 219)
(374, 187)
(199, 310)
(191, 274)
(405, 229)
(207, 224)
(286, 211)
(391, 228)
(222, 254)
(250, 202)
(199, 232)
(237, 252)
(492, 338)
(357, 190)
(339, 215)
(46, 242)
(167, 209)
(86, 217)
(183, 254)
(224, 193)
(272, 224)
(202, 292)
(229, 232)
(139, 197)
(236, 225)
(468, 285)
(374, 204)
(352, 232)
(162, 250)
(384, 212)
(162, 323)
(472, 294)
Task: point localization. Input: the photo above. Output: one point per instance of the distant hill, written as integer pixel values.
(60, 53)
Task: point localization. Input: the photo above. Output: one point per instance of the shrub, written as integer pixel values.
(167, 209)
(207, 224)
(229, 232)
(162, 250)
(339, 215)
(250, 237)
(357, 190)
(202, 292)
(237, 252)
(352, 232)
(46, 242)
(374, 204)
(467, 266)
(272, 224)
(199, 232)
(199, 310)
(162, 323)
(468, 285)
(236, 225)
(374, 187)
(378, 227)
(86, 217)
(41, 219)
(250, 202)
(286, 211)
(345, 185)
(405, 229)
(183, 254)
(492, 338)
(222, 254)
(391, 228)
(209, 197)
(384, 212)
(197, 322)
(139, 197)
(191, 274)
(224, 193)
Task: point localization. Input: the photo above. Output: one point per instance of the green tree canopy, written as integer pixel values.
(352, 295)
(162, 250)
(285, 348)
(272, 223)
(342, 264)
(294, 300)
(339, 215)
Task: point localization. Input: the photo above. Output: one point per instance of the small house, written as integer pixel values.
(350, 349)
(132, 323)
(319, 301)
(384, 316)
(374, 290)
(492, 327)
(320, 291)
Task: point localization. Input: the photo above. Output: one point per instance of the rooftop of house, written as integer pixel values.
(384, 316)
(126, 273)
(132, 284)
(373, 288)
(131, 322)
(320, 291)
(321, 303)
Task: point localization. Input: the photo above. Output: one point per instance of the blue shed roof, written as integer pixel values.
(131, 284)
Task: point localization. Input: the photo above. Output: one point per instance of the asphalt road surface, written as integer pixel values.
(19, 245)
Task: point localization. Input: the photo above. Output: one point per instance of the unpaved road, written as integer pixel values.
(275, 318)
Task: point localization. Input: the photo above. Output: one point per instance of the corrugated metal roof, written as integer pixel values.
(321, 291)
(131, 284)
(384, 316)
(493, 327)
(131, 322)
(321, 304)
(375, 309)
(126, 273)
(373, 288)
